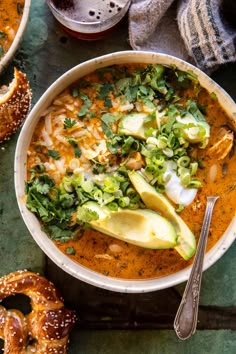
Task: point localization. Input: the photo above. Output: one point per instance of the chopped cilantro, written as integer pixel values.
(75, 92)
(110, 118)
(86, 215)
(193, 108)
(107, 102)
(69, 123)
(107, 131)
(77, 152)
(39, 168)
(86, 100)
(54, 154)
(70, 250)
(83, 111)
(98, 168)
(2, 34)
(59, 233)
(213, 96)
(1, 51)
(104, 90)
(73, 143)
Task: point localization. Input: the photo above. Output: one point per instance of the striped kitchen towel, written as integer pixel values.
(200, 31)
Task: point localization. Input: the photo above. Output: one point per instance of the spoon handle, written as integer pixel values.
(185, 322)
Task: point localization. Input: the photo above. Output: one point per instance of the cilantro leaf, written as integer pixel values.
(69, 123)
(104, 90)
(110, 118)
(85, 98)
(86, 215)
(107, 131)
(73, 143)
(107, 102)
(193, 108)
(83, 111)
(77, 152)
(54, 154)
(58, 233)
(70, 250)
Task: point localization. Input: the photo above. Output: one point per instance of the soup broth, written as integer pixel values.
(10, 17)
(73, 137)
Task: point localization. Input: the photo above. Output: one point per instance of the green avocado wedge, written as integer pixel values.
(186, 243)
(141, 227)
(134, 124)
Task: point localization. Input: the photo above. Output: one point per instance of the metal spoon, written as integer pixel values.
(185, 322)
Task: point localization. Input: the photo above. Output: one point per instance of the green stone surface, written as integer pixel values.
(46, 52)
(151, 342)
(219, 281)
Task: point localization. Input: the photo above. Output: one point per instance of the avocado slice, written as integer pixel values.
(186, 243)
(141, 227)
(134, 124)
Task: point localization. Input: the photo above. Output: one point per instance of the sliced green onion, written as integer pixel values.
(111, 185)
(107, 198)
(133, 206)
(77, 179)
(193, 168)
(180, 152)
(98, 196)
(119, 177)
(162, 142)
(184, 175)
(183, 161)
(194, 183)
(131, 192)
(87, 186)
(180, 208)
(118, 194)
(67, 184)
(113, 206)
(124, 202)
(171, 141)
(168, 152)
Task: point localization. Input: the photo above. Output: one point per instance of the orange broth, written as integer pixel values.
(133, 262)
(10, 17)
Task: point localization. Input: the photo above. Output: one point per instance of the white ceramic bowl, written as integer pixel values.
(18, 37)
(73, 268)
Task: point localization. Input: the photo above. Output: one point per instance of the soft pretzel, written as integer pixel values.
(15, 101)
(13, 322)
(47, 326)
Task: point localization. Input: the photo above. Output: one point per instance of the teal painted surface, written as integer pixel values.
(219, 281)
(17, 248)
(151, 342)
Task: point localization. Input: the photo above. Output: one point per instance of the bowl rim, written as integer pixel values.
(48, 247)
(18, 37)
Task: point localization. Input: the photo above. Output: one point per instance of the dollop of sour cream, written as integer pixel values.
(175, 191)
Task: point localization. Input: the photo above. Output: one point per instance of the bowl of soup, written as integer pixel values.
(99, 128)
(13, 22)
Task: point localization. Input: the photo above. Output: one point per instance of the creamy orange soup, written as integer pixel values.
(71, 139)
(10, 16)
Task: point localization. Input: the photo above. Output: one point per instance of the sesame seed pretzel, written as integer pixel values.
(46, 328)
(15, 101)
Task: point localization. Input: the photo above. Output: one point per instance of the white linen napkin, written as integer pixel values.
(193, 30)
